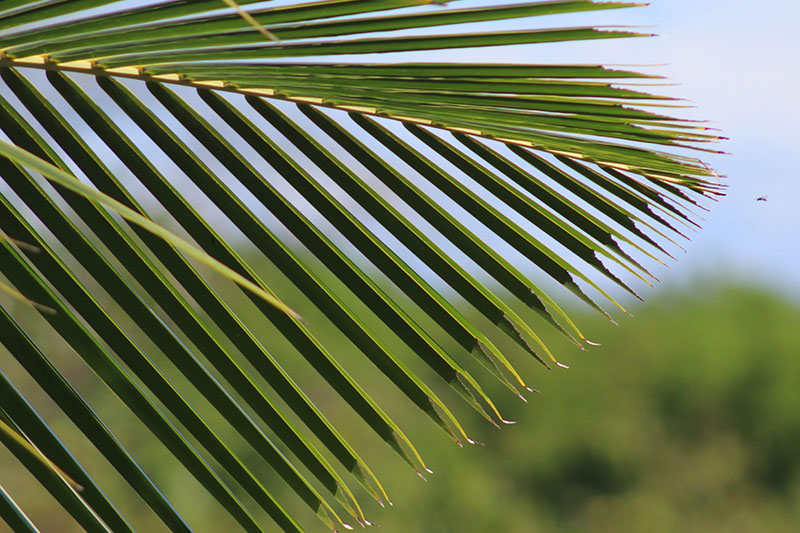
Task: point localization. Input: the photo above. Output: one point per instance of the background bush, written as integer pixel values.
(686, 419)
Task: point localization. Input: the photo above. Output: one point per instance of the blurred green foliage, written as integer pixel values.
(686, 419)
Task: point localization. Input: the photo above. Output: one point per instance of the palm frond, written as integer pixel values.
(367, 166)
(13, 515)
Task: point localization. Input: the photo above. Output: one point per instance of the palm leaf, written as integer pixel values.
(572, 169)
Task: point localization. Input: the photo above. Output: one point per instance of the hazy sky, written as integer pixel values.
(738, 61)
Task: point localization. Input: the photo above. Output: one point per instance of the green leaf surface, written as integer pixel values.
(395, 193)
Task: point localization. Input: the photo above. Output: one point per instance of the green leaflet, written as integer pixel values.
(12, 515)
(337, 119)
(48, 444)
(69, 182)
(59, 486)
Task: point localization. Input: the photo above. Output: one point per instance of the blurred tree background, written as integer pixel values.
(685, 419)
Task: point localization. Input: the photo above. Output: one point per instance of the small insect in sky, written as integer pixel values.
(762, 198)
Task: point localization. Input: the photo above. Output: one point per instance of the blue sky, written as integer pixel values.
(738, 62)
